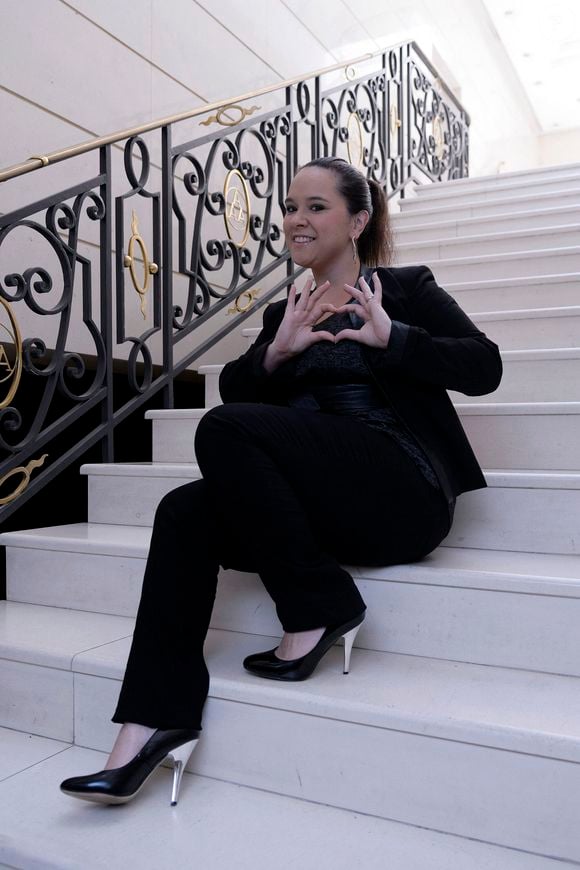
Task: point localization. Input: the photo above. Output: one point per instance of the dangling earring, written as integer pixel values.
(354, 248)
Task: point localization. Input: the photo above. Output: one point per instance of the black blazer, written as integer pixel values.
(433, 347)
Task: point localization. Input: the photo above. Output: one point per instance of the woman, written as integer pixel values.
(336, 436)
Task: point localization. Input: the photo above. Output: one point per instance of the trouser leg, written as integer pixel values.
(312, 491)
(166, 680)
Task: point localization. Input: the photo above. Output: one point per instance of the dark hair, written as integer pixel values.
(375, 243)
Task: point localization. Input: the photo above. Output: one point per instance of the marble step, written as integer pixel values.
(517, 329)
(49, 829)
(407, 231)
(429, 250)
(536, 291)
(538, 436)
(485, 753)
(501, 178)
(513, 264)
(421, 210)
(130, 492)
(482, 191)
(536, 375)
(485, 607)
(504, 515)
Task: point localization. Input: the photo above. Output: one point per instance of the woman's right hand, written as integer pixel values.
(295, 331)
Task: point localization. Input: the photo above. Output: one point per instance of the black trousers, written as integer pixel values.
(291, 494)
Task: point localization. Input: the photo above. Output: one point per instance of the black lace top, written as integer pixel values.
(326, 364)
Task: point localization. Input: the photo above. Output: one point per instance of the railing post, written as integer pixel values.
(167, 264)
(106, 310)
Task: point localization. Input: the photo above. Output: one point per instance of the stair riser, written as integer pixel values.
(423, 211)
(411, 252)
(506, 298)
(36, 699)
(540, 380)
(405, 232)
(536, 332)
(497, 518)
(532, 631)
(128, 500)
(485, 193)
(521, 266)
(520, 801)
(173, 440)
(534, 442)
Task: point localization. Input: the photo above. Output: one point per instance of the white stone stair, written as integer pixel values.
(407, 726)
(55, 832)
(455, 741)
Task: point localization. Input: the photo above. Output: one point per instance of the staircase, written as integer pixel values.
(454, 744)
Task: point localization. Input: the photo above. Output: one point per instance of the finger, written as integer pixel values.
(356, 292)
(304, 296)
(353, 334)
(367, 292)
(378, 287)
(291, 302)
(315, 296)
(319, 335)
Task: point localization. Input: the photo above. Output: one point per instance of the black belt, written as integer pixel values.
(339, 398)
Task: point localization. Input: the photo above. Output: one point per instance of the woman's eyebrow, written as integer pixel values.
(308, 199)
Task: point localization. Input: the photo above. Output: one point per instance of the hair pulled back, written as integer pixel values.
(375, 243)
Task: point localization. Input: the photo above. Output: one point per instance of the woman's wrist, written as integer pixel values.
(274, 358)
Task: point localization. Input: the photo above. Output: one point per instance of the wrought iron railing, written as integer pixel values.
(137, 262)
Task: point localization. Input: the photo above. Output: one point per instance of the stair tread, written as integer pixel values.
(441, 208)
(216, 824)
(404, 226)
(143, 469)
(510, 709)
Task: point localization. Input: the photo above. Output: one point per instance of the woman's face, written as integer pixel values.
(317, 224)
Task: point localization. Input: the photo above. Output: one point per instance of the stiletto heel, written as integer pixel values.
(267, 664)
(121, 784)
(180, 756)
(349, 639)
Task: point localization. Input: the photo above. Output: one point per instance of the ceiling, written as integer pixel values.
(542, 40)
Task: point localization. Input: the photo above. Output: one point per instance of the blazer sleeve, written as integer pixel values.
(441, 345)
(245, 379)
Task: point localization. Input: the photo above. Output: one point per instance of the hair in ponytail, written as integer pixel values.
(375, 243)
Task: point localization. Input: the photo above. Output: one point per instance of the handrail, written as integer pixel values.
(41, 161)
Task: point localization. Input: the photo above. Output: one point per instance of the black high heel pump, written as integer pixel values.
(121, 784)
(267, 664)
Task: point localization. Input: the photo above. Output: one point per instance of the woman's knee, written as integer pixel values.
(217, 423)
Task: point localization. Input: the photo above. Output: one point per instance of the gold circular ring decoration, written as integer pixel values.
(240, 308)
(355, 136)
(438, 136)
(220, 116)
(237, 207)
(25, 471)
(10, 372)
(148, 267)
(395, 121)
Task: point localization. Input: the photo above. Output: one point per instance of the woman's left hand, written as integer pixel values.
(376, 329)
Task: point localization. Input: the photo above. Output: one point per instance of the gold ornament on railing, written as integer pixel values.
(237, 211)
(148, 267)
(240, 308)
(25, 471)
(220, 116)
(349, 73)
(10, 370)
(394, 120)
(354, 143)
(439, 137)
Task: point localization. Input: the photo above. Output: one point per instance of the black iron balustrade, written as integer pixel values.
(197, 229)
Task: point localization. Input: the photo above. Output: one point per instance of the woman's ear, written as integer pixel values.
(360, 220)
